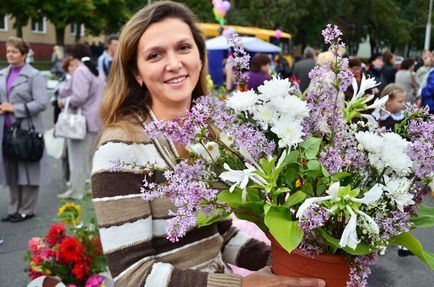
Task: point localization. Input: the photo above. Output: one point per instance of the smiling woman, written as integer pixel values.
(158, 71)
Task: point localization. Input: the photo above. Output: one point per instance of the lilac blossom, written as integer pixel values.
(360, 269)
(420, 191)
(421, 150)
(241, 60)
(394, 224)
(186, 188)
(183, 128)
(331, 33)
(313, 217)
(311, 244)
(253, 140)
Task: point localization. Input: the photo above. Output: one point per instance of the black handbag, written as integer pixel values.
(23, 144)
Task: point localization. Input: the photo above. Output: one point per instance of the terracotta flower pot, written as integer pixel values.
(334, 269)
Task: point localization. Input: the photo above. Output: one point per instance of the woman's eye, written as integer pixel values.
(184, 48)
(153, 56)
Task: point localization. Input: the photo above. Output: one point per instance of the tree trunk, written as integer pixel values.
(77, 32)
(60, 36)
(19, 31)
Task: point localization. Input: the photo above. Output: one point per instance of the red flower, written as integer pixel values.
(33, 275)
(70, 250)
(80, 271)
(55, 234)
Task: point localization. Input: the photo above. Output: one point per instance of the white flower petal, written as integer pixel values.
(349, 236)
(372, 195)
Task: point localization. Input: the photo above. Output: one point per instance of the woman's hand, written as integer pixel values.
(6, 108)
(61, 103)
(265, 278)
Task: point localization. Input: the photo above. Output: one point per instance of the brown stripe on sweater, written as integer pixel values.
(227, 231)
(160, 208)
(125, 257)
(125, 210)
(109, 184)
(161, 244)
(120, 134)
(120, 260)
(194, 255)
(253, 255)
(188, 278)
(137, 275)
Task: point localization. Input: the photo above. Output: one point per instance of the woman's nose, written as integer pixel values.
(173, 62)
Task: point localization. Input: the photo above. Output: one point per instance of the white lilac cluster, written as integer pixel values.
(274, 107)
(386, 151)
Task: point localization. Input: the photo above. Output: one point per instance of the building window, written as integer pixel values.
(39, 25)
(3, 23)
(74, 29)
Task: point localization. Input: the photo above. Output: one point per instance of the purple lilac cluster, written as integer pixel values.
(421, 150)
(360, 269)
(394, 224)
(314, 216)
(241, 60)
(311, 244)
(343, 153)
(186, 188)
(252, 139)
(183, 128)
(331, 33)
(420, 191)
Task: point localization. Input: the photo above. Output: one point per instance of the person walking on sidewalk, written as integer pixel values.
(22, 92)
(86, 92)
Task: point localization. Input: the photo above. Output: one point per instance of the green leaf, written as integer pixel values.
(291, 157)
(340, 175)
(361, 248)
(203, 220)
(307, 188)
(284, 230)
(295, 198)
(314, 168)
(424, 218)
(311, 146)
(410, 242)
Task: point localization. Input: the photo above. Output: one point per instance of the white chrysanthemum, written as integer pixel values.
(242, 101)
(398, 189)
(210, 152)
(394, 154)
(274, 88)
(291, 106)
(288, 130)
(369, 141)
(264, 114)
(227, 139)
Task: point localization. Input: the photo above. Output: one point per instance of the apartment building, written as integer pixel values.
(41, 36)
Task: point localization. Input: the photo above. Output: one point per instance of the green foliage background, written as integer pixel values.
(397, 24)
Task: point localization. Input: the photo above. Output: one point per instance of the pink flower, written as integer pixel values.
(37, 246)
(94, 281)
(72, 285)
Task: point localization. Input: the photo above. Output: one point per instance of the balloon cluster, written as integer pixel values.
(221, 7)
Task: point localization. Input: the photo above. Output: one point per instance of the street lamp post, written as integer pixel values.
(428, 28)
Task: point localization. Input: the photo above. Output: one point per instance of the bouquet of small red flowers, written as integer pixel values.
(71, 250)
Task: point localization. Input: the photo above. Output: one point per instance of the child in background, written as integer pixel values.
(394, 106)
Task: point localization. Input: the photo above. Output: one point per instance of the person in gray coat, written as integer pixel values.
(302, 68)
(20, 85)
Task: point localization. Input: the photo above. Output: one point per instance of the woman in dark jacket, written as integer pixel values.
(21, 85)
(388, 70)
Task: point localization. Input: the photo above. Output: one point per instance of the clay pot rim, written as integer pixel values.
(320, 257)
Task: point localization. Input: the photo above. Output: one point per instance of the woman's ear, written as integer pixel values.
(139, 79)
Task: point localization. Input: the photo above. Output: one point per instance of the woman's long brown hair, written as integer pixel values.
(124, 97)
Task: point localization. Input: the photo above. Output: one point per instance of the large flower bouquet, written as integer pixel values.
(75, 257)
(313, 171)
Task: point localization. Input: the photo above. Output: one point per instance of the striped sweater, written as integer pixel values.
(133, 231)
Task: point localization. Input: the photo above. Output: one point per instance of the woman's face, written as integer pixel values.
(169, 63)
(14, 56)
